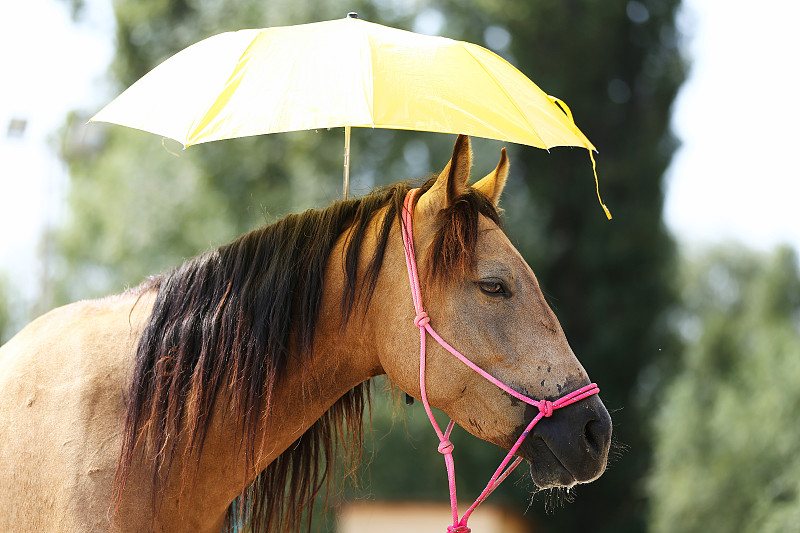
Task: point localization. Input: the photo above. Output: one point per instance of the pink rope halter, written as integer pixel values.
(422, 321)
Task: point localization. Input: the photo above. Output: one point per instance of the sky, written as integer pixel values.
(735, 177)
(49, 67)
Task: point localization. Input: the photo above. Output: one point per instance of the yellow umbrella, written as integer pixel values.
(340, 73)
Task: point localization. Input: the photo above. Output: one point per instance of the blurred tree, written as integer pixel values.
(615, 63)
(728, 447)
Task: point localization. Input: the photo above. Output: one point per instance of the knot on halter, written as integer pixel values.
(546, 408)
(458, 528)
(421, 319)
(445, 447)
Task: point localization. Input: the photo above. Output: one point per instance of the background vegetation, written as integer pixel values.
(727, 438)
(710, 344)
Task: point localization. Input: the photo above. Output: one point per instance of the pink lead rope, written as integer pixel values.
(422, 321)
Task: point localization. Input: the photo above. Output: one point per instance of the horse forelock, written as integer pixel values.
(219, 317)
(452, 253)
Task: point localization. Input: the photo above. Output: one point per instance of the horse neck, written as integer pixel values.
(342, 357)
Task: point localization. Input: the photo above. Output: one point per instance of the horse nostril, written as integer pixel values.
(595, 434)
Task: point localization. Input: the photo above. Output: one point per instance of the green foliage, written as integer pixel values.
(728, 443)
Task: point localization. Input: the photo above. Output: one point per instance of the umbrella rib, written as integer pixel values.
(371, 96)
(201, 121)
(511, 100)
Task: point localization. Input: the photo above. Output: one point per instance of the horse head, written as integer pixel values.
(484, 299)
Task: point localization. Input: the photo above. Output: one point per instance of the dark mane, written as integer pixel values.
(229, 320)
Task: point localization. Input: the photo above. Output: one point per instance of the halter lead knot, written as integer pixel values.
(421, 319)
(445, 447)
(546, 408)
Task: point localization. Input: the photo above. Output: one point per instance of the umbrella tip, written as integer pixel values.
(352, 15)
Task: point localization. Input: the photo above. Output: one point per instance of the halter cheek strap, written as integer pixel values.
(423, 322)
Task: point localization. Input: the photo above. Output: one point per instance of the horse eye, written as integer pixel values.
(491, 287)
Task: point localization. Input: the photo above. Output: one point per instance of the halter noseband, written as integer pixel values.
(422, 321)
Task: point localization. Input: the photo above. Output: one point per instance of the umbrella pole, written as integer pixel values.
(346, 161)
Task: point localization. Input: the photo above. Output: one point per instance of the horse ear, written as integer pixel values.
(452, 181)
(493, 183)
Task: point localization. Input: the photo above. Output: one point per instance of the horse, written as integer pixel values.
(221, 392)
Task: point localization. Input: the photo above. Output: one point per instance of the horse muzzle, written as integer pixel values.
(569, 447)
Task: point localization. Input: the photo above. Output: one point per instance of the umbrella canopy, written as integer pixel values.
(345, 72)
(340, 73)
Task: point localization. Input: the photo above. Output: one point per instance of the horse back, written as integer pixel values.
(63, 379)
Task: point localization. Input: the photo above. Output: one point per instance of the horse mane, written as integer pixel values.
(229, 320)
